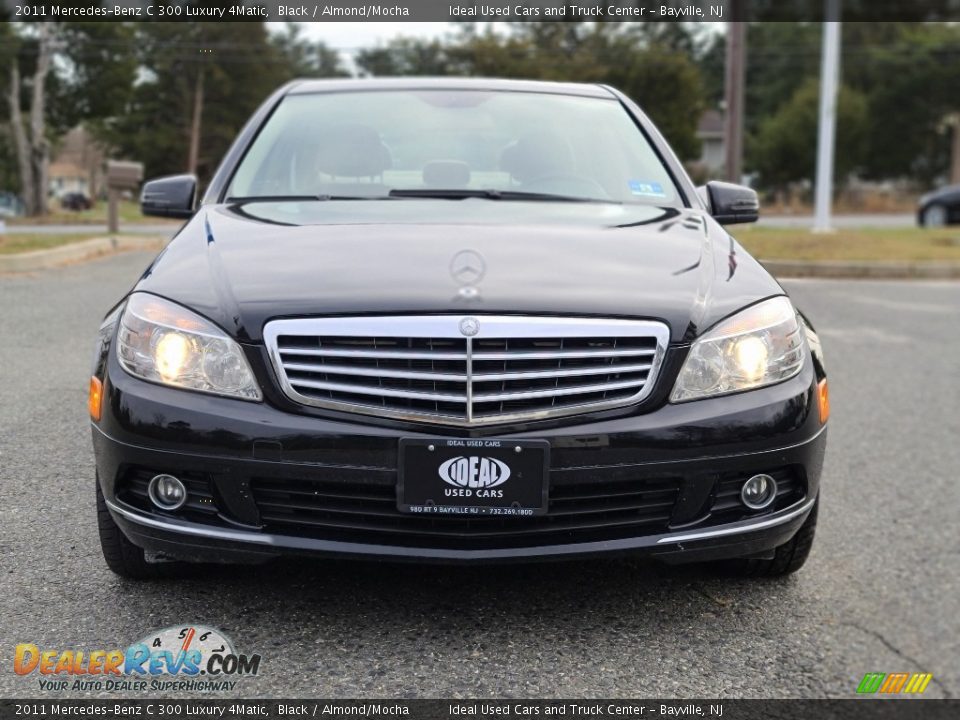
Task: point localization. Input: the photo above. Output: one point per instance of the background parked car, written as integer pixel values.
(75, 201)
(939, 208)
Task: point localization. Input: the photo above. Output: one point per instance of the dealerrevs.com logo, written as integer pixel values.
(180, 657)
(477, 474)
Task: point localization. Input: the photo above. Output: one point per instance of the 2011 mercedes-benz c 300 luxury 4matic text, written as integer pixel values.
(455, 320)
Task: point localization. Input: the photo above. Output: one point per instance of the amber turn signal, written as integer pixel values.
(823, 397)
(96, 398)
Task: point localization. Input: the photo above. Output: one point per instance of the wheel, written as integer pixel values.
(122, 556)
(787, 558)
(935, 216)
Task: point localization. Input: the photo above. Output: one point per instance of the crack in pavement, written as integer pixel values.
(900, 653)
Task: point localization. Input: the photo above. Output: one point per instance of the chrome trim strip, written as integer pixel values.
(293, 541)
(448, 327)
(192, 529)
(746, 526)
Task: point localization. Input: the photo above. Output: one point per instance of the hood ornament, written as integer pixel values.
(469, 326)
(468, 268)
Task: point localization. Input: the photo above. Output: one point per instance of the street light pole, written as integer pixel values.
(829, 79)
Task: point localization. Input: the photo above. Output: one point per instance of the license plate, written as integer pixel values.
(451, 476)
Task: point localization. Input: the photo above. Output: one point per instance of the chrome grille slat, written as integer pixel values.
(554, 392)
(562, 355)
(376, 354)
(559, 373)
(516, 368)
(363, 390)
(373, 372)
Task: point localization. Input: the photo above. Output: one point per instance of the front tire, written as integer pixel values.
(787, 558)
(934, 216)
(122, 556)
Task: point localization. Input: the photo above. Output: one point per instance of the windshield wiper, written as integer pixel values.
(462, 194)
(299, 198)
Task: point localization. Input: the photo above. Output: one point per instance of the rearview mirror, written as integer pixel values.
(171, 197)
(732, 204)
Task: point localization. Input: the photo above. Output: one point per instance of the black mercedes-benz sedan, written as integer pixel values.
(459, 321)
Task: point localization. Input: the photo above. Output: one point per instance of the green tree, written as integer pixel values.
(911, 74)
(649, 65)
(199, 84)
(55, 75)
(9, 177)
(406, 56)
(667, 85)
(302, 57)
(784, 150)
(907, 72)
(31, 59)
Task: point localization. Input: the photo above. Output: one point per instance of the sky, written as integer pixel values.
(348, 36)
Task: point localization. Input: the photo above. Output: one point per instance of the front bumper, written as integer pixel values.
(680, 466)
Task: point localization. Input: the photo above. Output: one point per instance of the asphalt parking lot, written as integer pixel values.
(881, 592)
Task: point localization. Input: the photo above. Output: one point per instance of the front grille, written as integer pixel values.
(507, 368)
(353, 512)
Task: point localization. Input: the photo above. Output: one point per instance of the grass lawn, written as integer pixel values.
(878, 244)
(25, 242)
(129, 212)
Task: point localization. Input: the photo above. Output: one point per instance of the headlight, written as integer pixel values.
(160, 341)
(760, 346)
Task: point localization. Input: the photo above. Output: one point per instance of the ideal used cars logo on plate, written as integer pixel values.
(475, 473)
(180, 657)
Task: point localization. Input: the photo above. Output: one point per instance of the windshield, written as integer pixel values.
(453, 143)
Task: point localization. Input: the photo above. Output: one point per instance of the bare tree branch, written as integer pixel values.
(20, 139)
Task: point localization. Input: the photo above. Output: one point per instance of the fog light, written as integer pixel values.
(758, 492)
(167, 492)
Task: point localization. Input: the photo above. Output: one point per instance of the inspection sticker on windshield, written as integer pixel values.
(647, 189)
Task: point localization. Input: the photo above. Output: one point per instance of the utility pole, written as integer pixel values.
(196, 123)
(829, 79)
(955, 149)
(734, 80)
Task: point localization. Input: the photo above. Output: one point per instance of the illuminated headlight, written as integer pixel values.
(759, 346)
(165, 343)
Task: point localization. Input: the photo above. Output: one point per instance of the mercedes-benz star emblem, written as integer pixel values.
(468, 267)
(469, 326)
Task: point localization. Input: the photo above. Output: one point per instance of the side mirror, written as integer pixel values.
(731, 204)
(171, 197)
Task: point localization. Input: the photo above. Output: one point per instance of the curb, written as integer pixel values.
(865, 270)
(76, 252)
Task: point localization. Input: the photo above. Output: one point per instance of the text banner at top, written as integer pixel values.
(468, 11)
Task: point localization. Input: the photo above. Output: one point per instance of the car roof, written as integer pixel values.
(307, 86)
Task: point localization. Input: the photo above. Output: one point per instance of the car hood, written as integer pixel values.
(242, 266)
